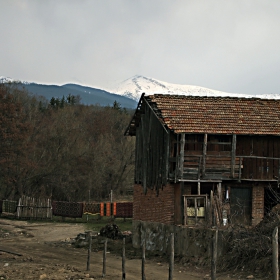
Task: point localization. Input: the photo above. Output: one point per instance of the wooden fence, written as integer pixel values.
(34, 208)
(43, 208)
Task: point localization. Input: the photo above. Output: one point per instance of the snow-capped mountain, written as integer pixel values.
(135, 86)
(127, 92)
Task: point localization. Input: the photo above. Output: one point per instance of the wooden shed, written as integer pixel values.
(206, 160)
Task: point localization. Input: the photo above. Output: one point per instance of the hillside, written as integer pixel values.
(89, 95)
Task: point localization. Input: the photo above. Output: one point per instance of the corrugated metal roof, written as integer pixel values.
(221, 115)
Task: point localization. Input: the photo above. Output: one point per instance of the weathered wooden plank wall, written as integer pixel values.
(258, 152)
(34, 208)
(152, 151)
(229, 156)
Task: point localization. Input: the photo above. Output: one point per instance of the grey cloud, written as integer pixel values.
(225, 45)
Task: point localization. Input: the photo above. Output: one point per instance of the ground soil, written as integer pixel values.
(41, 250)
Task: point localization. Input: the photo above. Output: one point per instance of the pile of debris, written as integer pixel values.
(82, 239)
(111, 231)
(251, 248)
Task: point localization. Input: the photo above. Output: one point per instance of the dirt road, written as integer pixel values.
(44, 251)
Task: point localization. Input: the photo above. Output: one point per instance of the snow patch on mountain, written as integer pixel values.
(136, 85)
(4, 80)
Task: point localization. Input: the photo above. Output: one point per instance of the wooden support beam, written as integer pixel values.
(214, 254)
(185, 210)
(171, 260)
(182, 201)
(144, 156)
(239, 171)
(208, 211)
(143, 258)
(167, 155)
(233, 154)
(213, 220)
(199, 168)
(195, 210)
(219, 191)
(123, 260)
(182, 154)
(278, 172)
(177, 159)
(204, 154)
(104, 258)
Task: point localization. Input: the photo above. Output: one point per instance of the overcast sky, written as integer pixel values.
(227, 45)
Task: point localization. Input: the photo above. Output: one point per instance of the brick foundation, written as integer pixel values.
(153, 208)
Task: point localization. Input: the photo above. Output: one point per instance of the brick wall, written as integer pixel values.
(153, 208)
(257, 204)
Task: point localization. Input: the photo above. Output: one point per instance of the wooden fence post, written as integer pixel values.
(214, 255)
(171, 262)
(19, 209)
(212, 207)
(143, 257)
(104, 258)
(123, 260)
(89, 249)
(275, 254)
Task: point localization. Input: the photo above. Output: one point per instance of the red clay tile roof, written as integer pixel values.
(221, 115)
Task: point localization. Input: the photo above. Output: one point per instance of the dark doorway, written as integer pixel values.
(205, 188)
(241, 205)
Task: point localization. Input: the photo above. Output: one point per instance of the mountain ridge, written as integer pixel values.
(88, 95)
(128, 92)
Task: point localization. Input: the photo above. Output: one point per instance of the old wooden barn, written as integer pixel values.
(210, 160)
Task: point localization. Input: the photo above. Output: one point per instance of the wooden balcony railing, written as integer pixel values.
(225, 167)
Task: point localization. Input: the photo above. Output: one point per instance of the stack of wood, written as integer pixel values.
(252, 247)
(216, 209)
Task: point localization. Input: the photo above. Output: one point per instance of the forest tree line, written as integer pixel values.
(62, 149)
